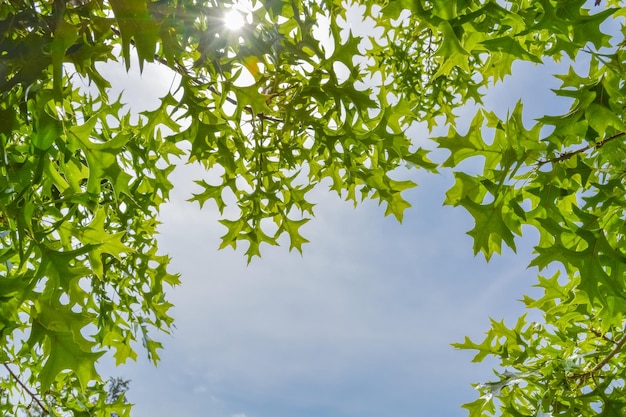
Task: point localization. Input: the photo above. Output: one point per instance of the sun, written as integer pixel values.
(234, 20)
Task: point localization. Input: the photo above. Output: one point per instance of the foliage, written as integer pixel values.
(565, 177)
(283, 105)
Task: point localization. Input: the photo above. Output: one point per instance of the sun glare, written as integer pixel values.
(234, 20)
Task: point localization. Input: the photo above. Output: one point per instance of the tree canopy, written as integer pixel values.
(295, 99)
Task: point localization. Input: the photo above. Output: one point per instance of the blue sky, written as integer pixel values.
(359, 325)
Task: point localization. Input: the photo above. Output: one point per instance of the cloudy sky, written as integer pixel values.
(360, 325)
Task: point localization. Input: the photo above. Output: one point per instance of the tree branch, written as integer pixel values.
(618, 346)
(616, 349)
(25, 388)
(567, 155)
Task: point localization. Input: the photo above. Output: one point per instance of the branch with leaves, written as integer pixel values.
(619, 345)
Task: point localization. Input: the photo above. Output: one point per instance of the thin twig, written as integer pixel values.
(567, 155)
(25, 388)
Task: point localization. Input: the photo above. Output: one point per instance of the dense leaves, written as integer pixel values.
(565, 177)
(299, 97)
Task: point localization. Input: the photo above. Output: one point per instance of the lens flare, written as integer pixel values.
(233, 20)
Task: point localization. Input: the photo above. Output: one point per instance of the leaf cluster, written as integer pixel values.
(81, 187)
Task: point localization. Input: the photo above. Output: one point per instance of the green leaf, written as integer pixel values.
(510, 46)
(136, 26)
(65, 34)
(490, 228)
(451, 51)
(465, 187)
(296, 240)
(446, 10)
(235, 228)
(96, 237)
(393, 8)
(47, 130)
(68, 355)
(469, 145)
(102, 158)
(479, 407)
(211, 192)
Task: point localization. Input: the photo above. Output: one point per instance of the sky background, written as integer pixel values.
(360, 325)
